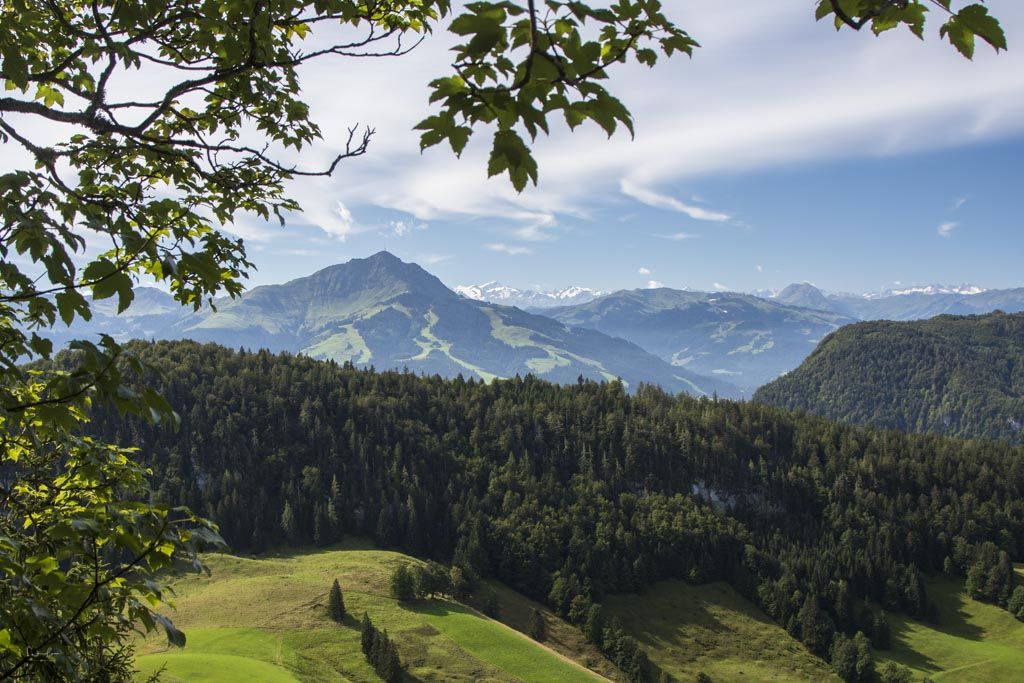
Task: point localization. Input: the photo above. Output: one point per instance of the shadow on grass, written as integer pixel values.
(953, 621)
(350, 621)
(435, 608)
(903, 651)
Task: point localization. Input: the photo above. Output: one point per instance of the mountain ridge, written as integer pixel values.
(384, 312)
(745, 338)
(906, 303)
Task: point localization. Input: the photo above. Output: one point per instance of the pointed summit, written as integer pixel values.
(805, 295)
(381, 275)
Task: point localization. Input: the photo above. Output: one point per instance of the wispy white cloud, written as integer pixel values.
(947, 228)
(510, 249)
(536, 227)
(654, 284)
(644, 271)
(401, 228)
(719, 287)
(663, 201)
(959, 202)
(677, 236)
(433, 259)
(775, 88)
(759, 268)
(252, 230)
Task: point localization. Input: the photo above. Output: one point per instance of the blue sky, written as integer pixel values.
(782, 152)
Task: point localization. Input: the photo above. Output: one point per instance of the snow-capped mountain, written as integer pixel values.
(905, 303)
(928, 290)
(497, 293)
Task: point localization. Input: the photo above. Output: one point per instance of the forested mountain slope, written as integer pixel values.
(569, 493)
(962, 376)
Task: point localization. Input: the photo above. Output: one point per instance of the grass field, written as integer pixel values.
(689, 629)
(265, 620)
(972, 641)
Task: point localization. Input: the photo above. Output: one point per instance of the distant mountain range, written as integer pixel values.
(961, 376)
(739, 337)
(527, 299)
(909, 303)
(383, 312)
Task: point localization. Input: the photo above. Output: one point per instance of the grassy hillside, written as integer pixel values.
(689, 629)
(973, 642)
(265, 620)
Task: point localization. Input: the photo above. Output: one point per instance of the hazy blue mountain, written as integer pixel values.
(805, 295)
(151, 313)
(956, 375)
(383, 312)
(744, 338)
(908, 303)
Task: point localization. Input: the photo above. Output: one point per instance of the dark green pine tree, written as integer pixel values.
(815, 627)
(336, 603)
(594, 627)
(538, 631)
(368, 634)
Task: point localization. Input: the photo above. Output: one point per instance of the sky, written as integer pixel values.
(782, 152)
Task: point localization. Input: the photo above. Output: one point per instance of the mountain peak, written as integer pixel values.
(805, 295)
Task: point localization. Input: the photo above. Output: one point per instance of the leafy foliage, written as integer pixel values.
(962, 376)
(961, 26)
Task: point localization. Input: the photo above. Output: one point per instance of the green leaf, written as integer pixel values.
(959, 35)
(7, 645)
(71, 302)
(510, 153)
(978, 21)
(174, 636)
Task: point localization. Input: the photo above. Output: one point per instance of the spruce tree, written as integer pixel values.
(594, 626)
(368, 634)
(336, 603)
(538, 630)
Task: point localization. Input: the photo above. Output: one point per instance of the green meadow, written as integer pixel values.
(972, 641)
(265, 620)
(710, 628)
